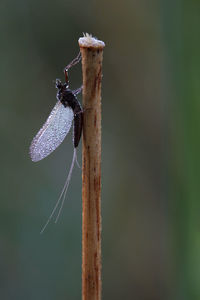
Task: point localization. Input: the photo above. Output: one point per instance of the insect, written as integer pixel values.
(57, 126)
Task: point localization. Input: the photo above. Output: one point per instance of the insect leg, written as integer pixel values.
(71, 64)
(77, 91)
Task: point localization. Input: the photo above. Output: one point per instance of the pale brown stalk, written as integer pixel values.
(92, 55)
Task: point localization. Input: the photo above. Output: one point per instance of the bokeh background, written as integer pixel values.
(150, 144)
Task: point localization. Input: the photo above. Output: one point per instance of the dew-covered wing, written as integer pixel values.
(52, 133)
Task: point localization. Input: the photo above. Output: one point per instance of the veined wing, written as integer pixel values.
(52, 133)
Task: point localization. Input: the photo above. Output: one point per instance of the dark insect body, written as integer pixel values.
(68, 98)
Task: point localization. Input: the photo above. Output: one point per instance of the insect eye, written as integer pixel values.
(58, 84)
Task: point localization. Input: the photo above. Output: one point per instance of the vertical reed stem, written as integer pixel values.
(92, 55)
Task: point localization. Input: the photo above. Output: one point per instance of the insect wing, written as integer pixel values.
(52, 133)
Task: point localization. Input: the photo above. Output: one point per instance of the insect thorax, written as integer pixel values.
(66, 96)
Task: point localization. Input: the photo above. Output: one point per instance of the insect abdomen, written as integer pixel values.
(78, 124)
(69, 99)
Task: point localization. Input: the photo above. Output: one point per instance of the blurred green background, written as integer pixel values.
(150, 144)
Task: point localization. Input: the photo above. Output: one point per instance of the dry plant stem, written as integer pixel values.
(91, 173)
